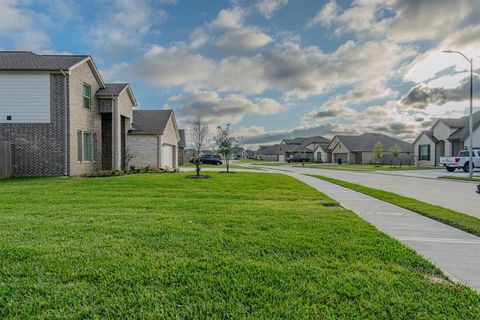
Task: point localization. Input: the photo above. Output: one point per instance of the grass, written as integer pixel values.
(364, 167)
(474, 179)
(232, 246)
(453, 218)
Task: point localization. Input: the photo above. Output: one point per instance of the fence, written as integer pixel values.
(5, 160)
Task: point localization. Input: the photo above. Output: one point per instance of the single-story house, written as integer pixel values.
(301, 146)
(60, 117)
(359, 149)
(153, 139)
(274, 152)
(181, 148)
(446, 137)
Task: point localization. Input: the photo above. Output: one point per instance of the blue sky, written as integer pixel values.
(273, 68)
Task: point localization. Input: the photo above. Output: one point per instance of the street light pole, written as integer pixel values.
(470, 162)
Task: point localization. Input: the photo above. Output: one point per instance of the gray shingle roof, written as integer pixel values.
(367, 141)
(272, 150)
(306, 140)
(463, 131)
(150, 121)
(183, 142)
(111, 89)
(25, 60)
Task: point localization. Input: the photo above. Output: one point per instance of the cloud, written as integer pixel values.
(25, 28)
(268, 8)
(421, 96)
(216, 109)
(242, 40)
(326, 16)
(229, 18)
(121, 29)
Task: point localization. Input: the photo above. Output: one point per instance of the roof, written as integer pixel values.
(111, 89)
(115, 89)
(367, 141)
(183, 142)
(273, 149)
(26, 60)
(306, 140)
(150, 121)
(428, 133)
(463, 131)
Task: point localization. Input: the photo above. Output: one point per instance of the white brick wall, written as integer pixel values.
(143, 150)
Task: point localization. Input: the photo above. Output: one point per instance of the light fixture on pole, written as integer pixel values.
(470, 162)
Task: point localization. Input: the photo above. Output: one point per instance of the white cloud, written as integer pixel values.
(268, 8)
(326, 15)
(216, 109)
(242, 40)
(229, 18)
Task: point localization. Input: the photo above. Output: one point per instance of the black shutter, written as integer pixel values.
(428, 152)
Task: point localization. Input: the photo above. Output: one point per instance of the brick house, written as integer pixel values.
(154, 139)
(60, 116)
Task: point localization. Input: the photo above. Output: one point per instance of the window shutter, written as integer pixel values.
(428, 152)
(79, 145)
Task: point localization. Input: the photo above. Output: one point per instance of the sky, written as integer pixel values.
(272, 68)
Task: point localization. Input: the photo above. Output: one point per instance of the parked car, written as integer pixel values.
(298, 159)
(462, 161)
(210, 159)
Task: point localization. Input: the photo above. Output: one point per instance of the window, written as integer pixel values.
(86, 96)
(79, 145)
(424, 152)
(94, 138)
(87, 154)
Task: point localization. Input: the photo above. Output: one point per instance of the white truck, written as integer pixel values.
(462, 161)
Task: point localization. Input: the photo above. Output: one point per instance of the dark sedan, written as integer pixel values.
(210, 159)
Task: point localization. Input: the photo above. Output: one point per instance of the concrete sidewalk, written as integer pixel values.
(455, 252)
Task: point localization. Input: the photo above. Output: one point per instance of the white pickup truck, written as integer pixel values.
(462, 161)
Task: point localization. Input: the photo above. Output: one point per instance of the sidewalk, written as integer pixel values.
(455, 252)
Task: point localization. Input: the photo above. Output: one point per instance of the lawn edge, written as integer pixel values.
(428, 212)
(461, 179)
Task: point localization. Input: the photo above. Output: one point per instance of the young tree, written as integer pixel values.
(378, 152)
(395, 151)
(199, 136)
(225, 141)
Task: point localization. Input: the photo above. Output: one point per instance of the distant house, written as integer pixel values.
(359, 149)
(153, 140)
(274, 152)
(181, 147)
(302, 146)
(446, 137)
(59, 115)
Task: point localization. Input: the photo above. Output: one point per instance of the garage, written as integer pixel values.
(168, 156)
(281, 158)
(343, 157)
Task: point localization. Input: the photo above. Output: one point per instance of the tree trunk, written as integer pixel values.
(227, 160)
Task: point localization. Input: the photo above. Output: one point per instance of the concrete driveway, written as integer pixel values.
(456, 195)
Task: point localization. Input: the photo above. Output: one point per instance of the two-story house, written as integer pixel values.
(446, 137)
(60, 116)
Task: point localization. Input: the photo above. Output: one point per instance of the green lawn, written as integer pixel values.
(453, 218)
(232, 246)
(475, 179)
(364, 167)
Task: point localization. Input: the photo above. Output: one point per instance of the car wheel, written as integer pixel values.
(450, 169)
(466, 167)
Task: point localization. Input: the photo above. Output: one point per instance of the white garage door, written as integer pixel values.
(168, 156)
(281, 158)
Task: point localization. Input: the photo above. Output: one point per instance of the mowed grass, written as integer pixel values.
(453, 218)
(365, 167)
(474, 179)
(233, 246)
(219, 167)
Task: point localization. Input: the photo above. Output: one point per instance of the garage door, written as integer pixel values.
(342, 156)
(281, 158)
(168, 156)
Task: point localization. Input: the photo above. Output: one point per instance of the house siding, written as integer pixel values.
(86, 120)
(143, 150)
(424, 139)
(38, 149)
